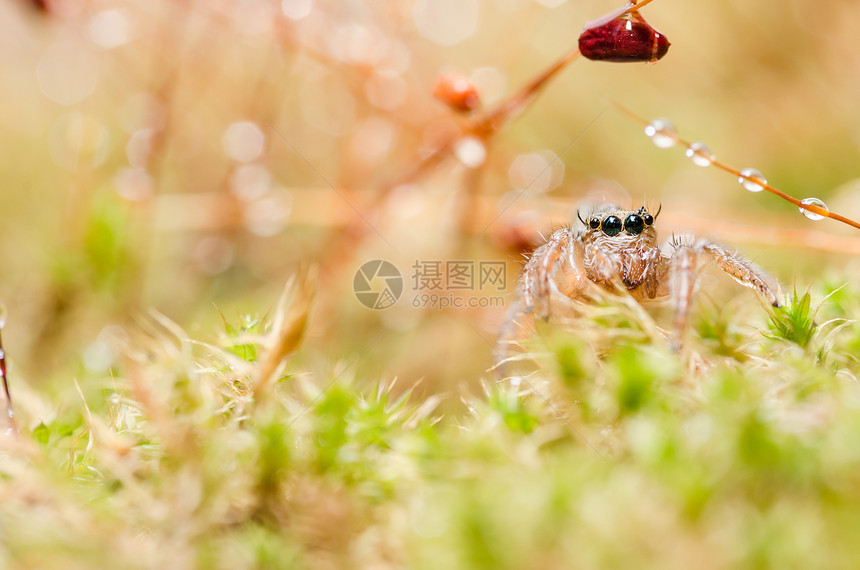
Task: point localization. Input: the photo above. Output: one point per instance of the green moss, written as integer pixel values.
(637, 445)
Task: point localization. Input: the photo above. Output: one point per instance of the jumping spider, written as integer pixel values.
(618, 250)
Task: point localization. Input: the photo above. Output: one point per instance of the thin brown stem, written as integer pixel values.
(637, 6)
(514, 105)
(725, 167)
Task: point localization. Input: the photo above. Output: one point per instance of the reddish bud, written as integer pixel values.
(40, 5)
(627, 37)
(457, 91)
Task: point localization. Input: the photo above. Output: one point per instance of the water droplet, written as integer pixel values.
(253, 18)
(270, 214)
(662, 133)
(372, 141)
(471, 151)
(296, 9)
(752, 180)
(139, 147)
(98, 356)
(406, 201)
(243, 141)
(700, 154)
(68, 72)
(446, 22)
(386, 89)
(490, 82)
(536, 172)
(110, 29)
(134, 184)
(813, 202)
(250, 182)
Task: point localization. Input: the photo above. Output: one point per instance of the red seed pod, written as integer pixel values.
(40, 5)
(625, 37)
(457, 91)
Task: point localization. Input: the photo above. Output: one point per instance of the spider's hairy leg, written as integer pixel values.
(540, 271)
(743, 271)
(683, 283)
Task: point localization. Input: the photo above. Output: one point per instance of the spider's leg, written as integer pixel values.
(535, 289)
(539, 272)
(743, 271)
(682, 286)
(507, 338)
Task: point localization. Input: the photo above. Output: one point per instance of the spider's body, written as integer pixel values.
(617, 249)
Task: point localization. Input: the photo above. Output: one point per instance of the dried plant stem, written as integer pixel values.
(288, 329)
(484, 126)
(637, 6)
(725, 167)
(488, 124)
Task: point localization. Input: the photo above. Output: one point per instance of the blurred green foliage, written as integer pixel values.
(635, 457)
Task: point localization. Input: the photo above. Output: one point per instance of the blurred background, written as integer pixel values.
(190, 156)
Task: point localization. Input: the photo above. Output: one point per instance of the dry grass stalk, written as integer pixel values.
(288, 328)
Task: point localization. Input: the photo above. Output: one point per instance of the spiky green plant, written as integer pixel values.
(794, 320)
(697, 455)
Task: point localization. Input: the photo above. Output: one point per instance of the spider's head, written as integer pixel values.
(610, 223)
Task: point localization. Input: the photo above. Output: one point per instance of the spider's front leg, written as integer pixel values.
(683, 284)
(555, 263)
(684, 262)
(743, 271)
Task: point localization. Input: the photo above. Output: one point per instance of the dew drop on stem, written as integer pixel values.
(813, 202)
(752, 180)
(700, 154)
(662, 133)
(471, 151)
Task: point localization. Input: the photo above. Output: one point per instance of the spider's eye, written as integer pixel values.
(634, 224)
(649, 219)
(612, 225)
(594, 223)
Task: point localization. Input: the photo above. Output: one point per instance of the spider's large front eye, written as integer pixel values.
(612, 225)
(634, 224)
(594, 223)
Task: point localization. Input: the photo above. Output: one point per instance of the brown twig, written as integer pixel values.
(489, 123)
(635, 7)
